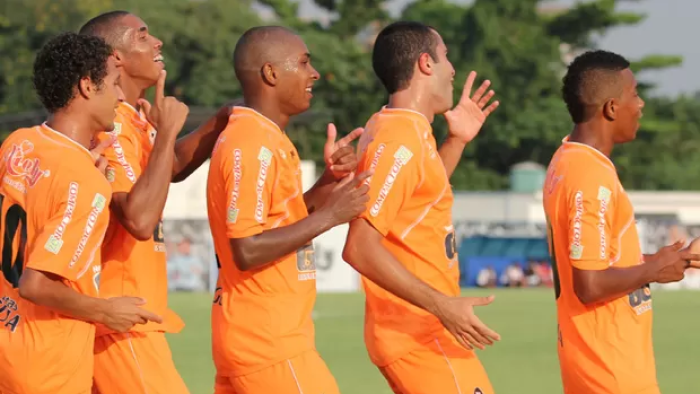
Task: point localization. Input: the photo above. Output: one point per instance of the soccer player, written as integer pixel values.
(404, 244)
(142, 162)
(601, 278)
(53, 218)
(263, 224)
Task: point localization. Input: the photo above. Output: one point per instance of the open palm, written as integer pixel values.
(465, 120)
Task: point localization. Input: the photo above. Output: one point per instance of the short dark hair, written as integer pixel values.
(103, 26)
(592, 78)
(397, 49)
(63, 62)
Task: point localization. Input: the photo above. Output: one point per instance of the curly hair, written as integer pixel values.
(63, 62)
(590, 79)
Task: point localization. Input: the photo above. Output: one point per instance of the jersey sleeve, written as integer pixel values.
(248, 175)
(124, 164)
(69, 239)
(590, 206)
(396, 166)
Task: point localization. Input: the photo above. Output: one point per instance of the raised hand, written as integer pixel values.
(167, 114)
(670, 262)
(339, 156)
(465, 120)
(348, 199)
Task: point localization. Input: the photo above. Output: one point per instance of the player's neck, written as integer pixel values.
(73, 124)
(269, 109)
(592, 135)
(414, 100)
(133, 90)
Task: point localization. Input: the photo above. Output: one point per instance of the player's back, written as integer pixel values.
(606, 347)
(260, 316)
(52, 199)
(125, 272)
(411, 205)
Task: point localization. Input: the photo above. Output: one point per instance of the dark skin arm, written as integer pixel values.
(667, 265)
(139, 210)
(599, 286)
(195, 148)
(259, 250)
(314, 197)
(346, 201)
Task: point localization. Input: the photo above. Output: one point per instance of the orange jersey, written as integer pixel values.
(604, 348)
(411, 205)
(261, 316)
(132, 267)
(53, 218)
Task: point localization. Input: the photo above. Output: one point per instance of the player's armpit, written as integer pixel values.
(67, 243)
(364, 252)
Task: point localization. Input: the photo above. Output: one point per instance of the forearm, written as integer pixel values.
(451, 153)
(605, 285)
(195, 148)
(316, 196)
(271, 245)
(146, 200)
(49, 291)
(377, 264)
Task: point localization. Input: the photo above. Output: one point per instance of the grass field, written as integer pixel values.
(525, 360)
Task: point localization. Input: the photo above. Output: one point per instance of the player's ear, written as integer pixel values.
(118, 58)
(85, 87)
(269, 74)
(610, 108)
(425, 64)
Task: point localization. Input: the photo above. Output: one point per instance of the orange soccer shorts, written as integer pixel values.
(303, 374)
(136, 363)
(441, 366)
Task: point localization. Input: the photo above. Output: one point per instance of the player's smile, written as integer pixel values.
(159, 60)
(308, 91)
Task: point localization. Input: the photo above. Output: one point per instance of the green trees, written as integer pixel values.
(522, 46)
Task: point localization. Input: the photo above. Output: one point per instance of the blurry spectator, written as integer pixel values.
(185, 270)
(532, 277)
(513, 276)
(487, 277)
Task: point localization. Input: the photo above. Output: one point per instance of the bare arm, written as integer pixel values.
(318, 193)
(451, 153)
(195, 148)
(140, 209)
(364, 252)
(345, 202)
(599, 286)
(48, 290)
(259, 250)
